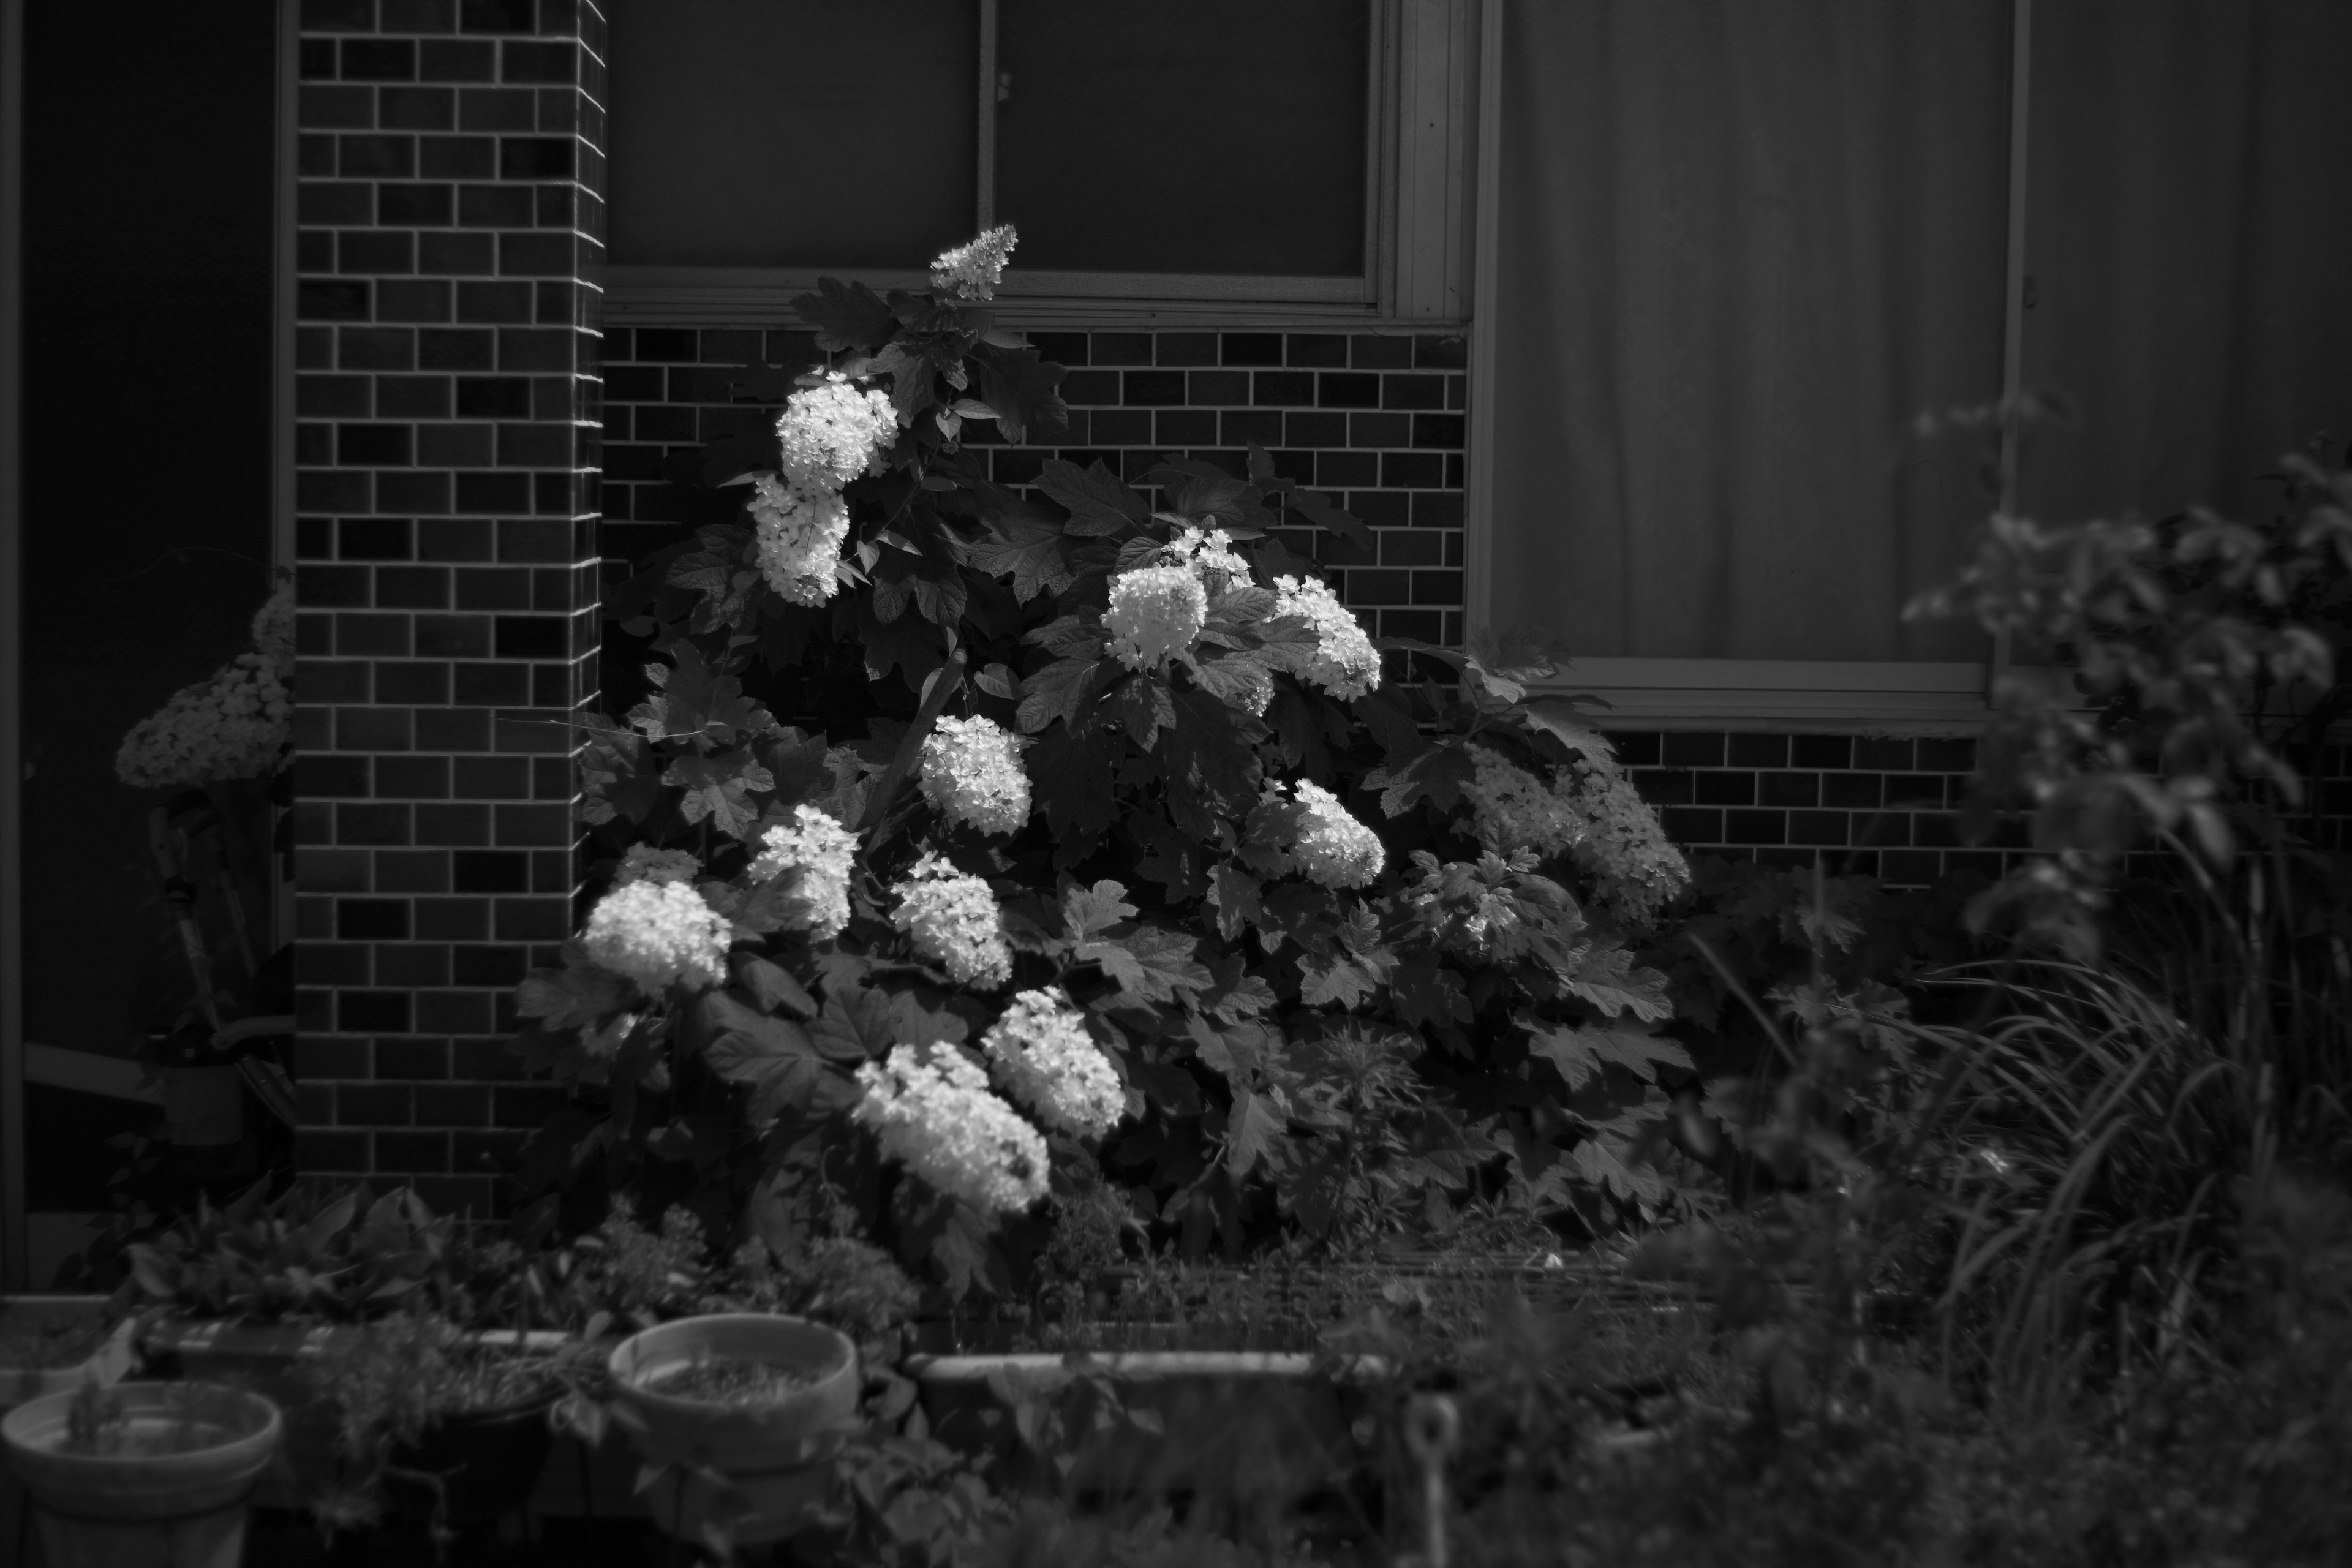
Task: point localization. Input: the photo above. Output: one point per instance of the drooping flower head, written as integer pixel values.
(658, 934)
(233, 725)
(1154, 610)
(1511, 809)
(1345, 663)
(1312, 834)
(1636, 871)
(955, 922)
(930, 1108)
(801, 531)
(833, 431)
(273, 628)
(643, 863)
(973, 270)
(821, 850)
(1040, 1051)
(971, 772)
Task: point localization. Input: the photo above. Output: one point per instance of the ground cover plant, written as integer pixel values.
(1122, 856)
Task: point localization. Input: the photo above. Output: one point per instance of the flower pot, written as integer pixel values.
(146, 1507)
(107, 1362)
(263, 1358)
(753, 1469)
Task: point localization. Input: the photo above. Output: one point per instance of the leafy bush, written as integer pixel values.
(1279, 944)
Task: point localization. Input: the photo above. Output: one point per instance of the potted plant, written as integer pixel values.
(439, 1424)
(741, 1412)
(142, 1473)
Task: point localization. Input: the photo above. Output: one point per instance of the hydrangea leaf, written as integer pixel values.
(1211, 754)
(697, 701)
(1438, 774)
(774, 1059)
(579, 993)
(1089, 912)
(1336, 976)
(1429, 992)
(773, 985)
(614, 779)
(1150, 963)
(1020, 386)
(1243, 680)
(1072, 782)
(1061, 690)
(847, 317)
(1610, 979)
(720, 788)
(1253, 1134)
(854, 1026)
(1097, 501)
(1579, 1051)
(1023, 541)
(1234, 894)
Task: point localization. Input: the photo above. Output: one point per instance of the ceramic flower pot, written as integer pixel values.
(172, 1494)
(31, 1329)
(750, 1466)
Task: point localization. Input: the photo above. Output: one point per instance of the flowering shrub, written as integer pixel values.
(232, 725)
(1174, 852)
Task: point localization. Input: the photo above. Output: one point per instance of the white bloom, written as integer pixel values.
(233, 725)
(955, 922)
(1154, 610)
(658, 932)
(931, 1109)
(972, 271)
(1042, 1052)
(971, 772)
(833, 431)
(1344, 662)
(643, 863)
(1211, 556)
(273, 628)
(821, 850)
(1334, 849)
(801, 531)
(1512, 809)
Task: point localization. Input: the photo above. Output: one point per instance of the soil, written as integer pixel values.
(730, 1380)
(39, 1342)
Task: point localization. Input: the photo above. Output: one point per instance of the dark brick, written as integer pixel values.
(1909, 868)
(1417, 392)
(1315, 430)
(453, 637)
(497, 15)
(1693, 750)
(412, 588)
(496, 302)
(1747, 750)
(419, 684)
(1318, 350)
(1914, 789)
(378, 59)
(456, 157)
(1251, 348)
(532, 637)
(456, 60)
(1122, 348)
(1209, 388)
(335, 299)
(371, 920)
(534, 348)
(533, 919)
(369, 250)
(1185, 348)
(1755, 827)
(1441, 430)
(1337, 470)
(372, 445)
(422, 300)
(1787, 789)
(317, 1152)
(493, 493)
(1184, 428)
(372, 1012)
(414, 396)
(554, 64)
(417, 107)
(419, 15)
(1725, 789)
(1817, 828)
(1380, 429)
(334, 396)
(493, 398)
(1412, 470)
(1636, 748)
(330, 586)
(1949, 754)
(1846, 789)
(1153, 388)
(1437, 587)
(1240, 427)
(1886, 753)
(1821, 750)
(1437, 510)
(491, 685)
(375, 157)
(455, 348)
(455, 255)
(1348, 390)
(1430, 352)
(535, 157)
(1371, 350)
(1692, 825)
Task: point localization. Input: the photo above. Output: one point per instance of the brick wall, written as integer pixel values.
(449, 212)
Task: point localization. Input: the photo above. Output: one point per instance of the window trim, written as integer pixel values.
(1416, 220)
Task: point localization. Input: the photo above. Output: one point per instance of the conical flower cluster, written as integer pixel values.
(659, 934)
(955, 922)
(971, 772)
(821, 850)
(1154, 610)
(930, 1108)
(1040, 1051)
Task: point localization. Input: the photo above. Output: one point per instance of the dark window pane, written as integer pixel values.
(1223, 136)
(792, 133)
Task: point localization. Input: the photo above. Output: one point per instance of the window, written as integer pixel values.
(1213, 151)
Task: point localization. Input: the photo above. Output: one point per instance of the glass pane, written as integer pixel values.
(1220, 136)
(793, 133)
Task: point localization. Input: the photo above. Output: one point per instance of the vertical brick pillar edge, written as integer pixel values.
(450, 216)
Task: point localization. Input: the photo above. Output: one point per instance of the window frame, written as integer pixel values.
(1422, 71)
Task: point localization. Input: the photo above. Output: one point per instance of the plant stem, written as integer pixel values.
(935, 700)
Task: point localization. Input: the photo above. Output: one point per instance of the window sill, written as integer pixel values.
(1796, 695)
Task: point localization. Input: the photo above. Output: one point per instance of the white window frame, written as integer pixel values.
(1417, 210)
(1880, 697)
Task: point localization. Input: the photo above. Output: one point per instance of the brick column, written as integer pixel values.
(448, 399)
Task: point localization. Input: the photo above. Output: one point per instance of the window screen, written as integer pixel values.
(792, 133)
(1189, 136)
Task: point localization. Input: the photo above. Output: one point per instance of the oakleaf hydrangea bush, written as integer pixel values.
(235, 725)
(971, 849)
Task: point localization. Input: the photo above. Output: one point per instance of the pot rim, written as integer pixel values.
(841, 1356)
(15, 1427)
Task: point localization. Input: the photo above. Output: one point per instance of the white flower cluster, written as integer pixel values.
(1638, 872)
(971, 772)
(1042, 1052)
(955, 922)
(1154, 610)
(1511, 809)
(273, 628)
(829, 434)
(821, 850)
(1328, 846)
(643, 863)
(930, 1108)
(972, 271)
(1210, 555)
(657, 933)
(232, 725)
(832, 432)
(801, 533)
(1345, 664)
